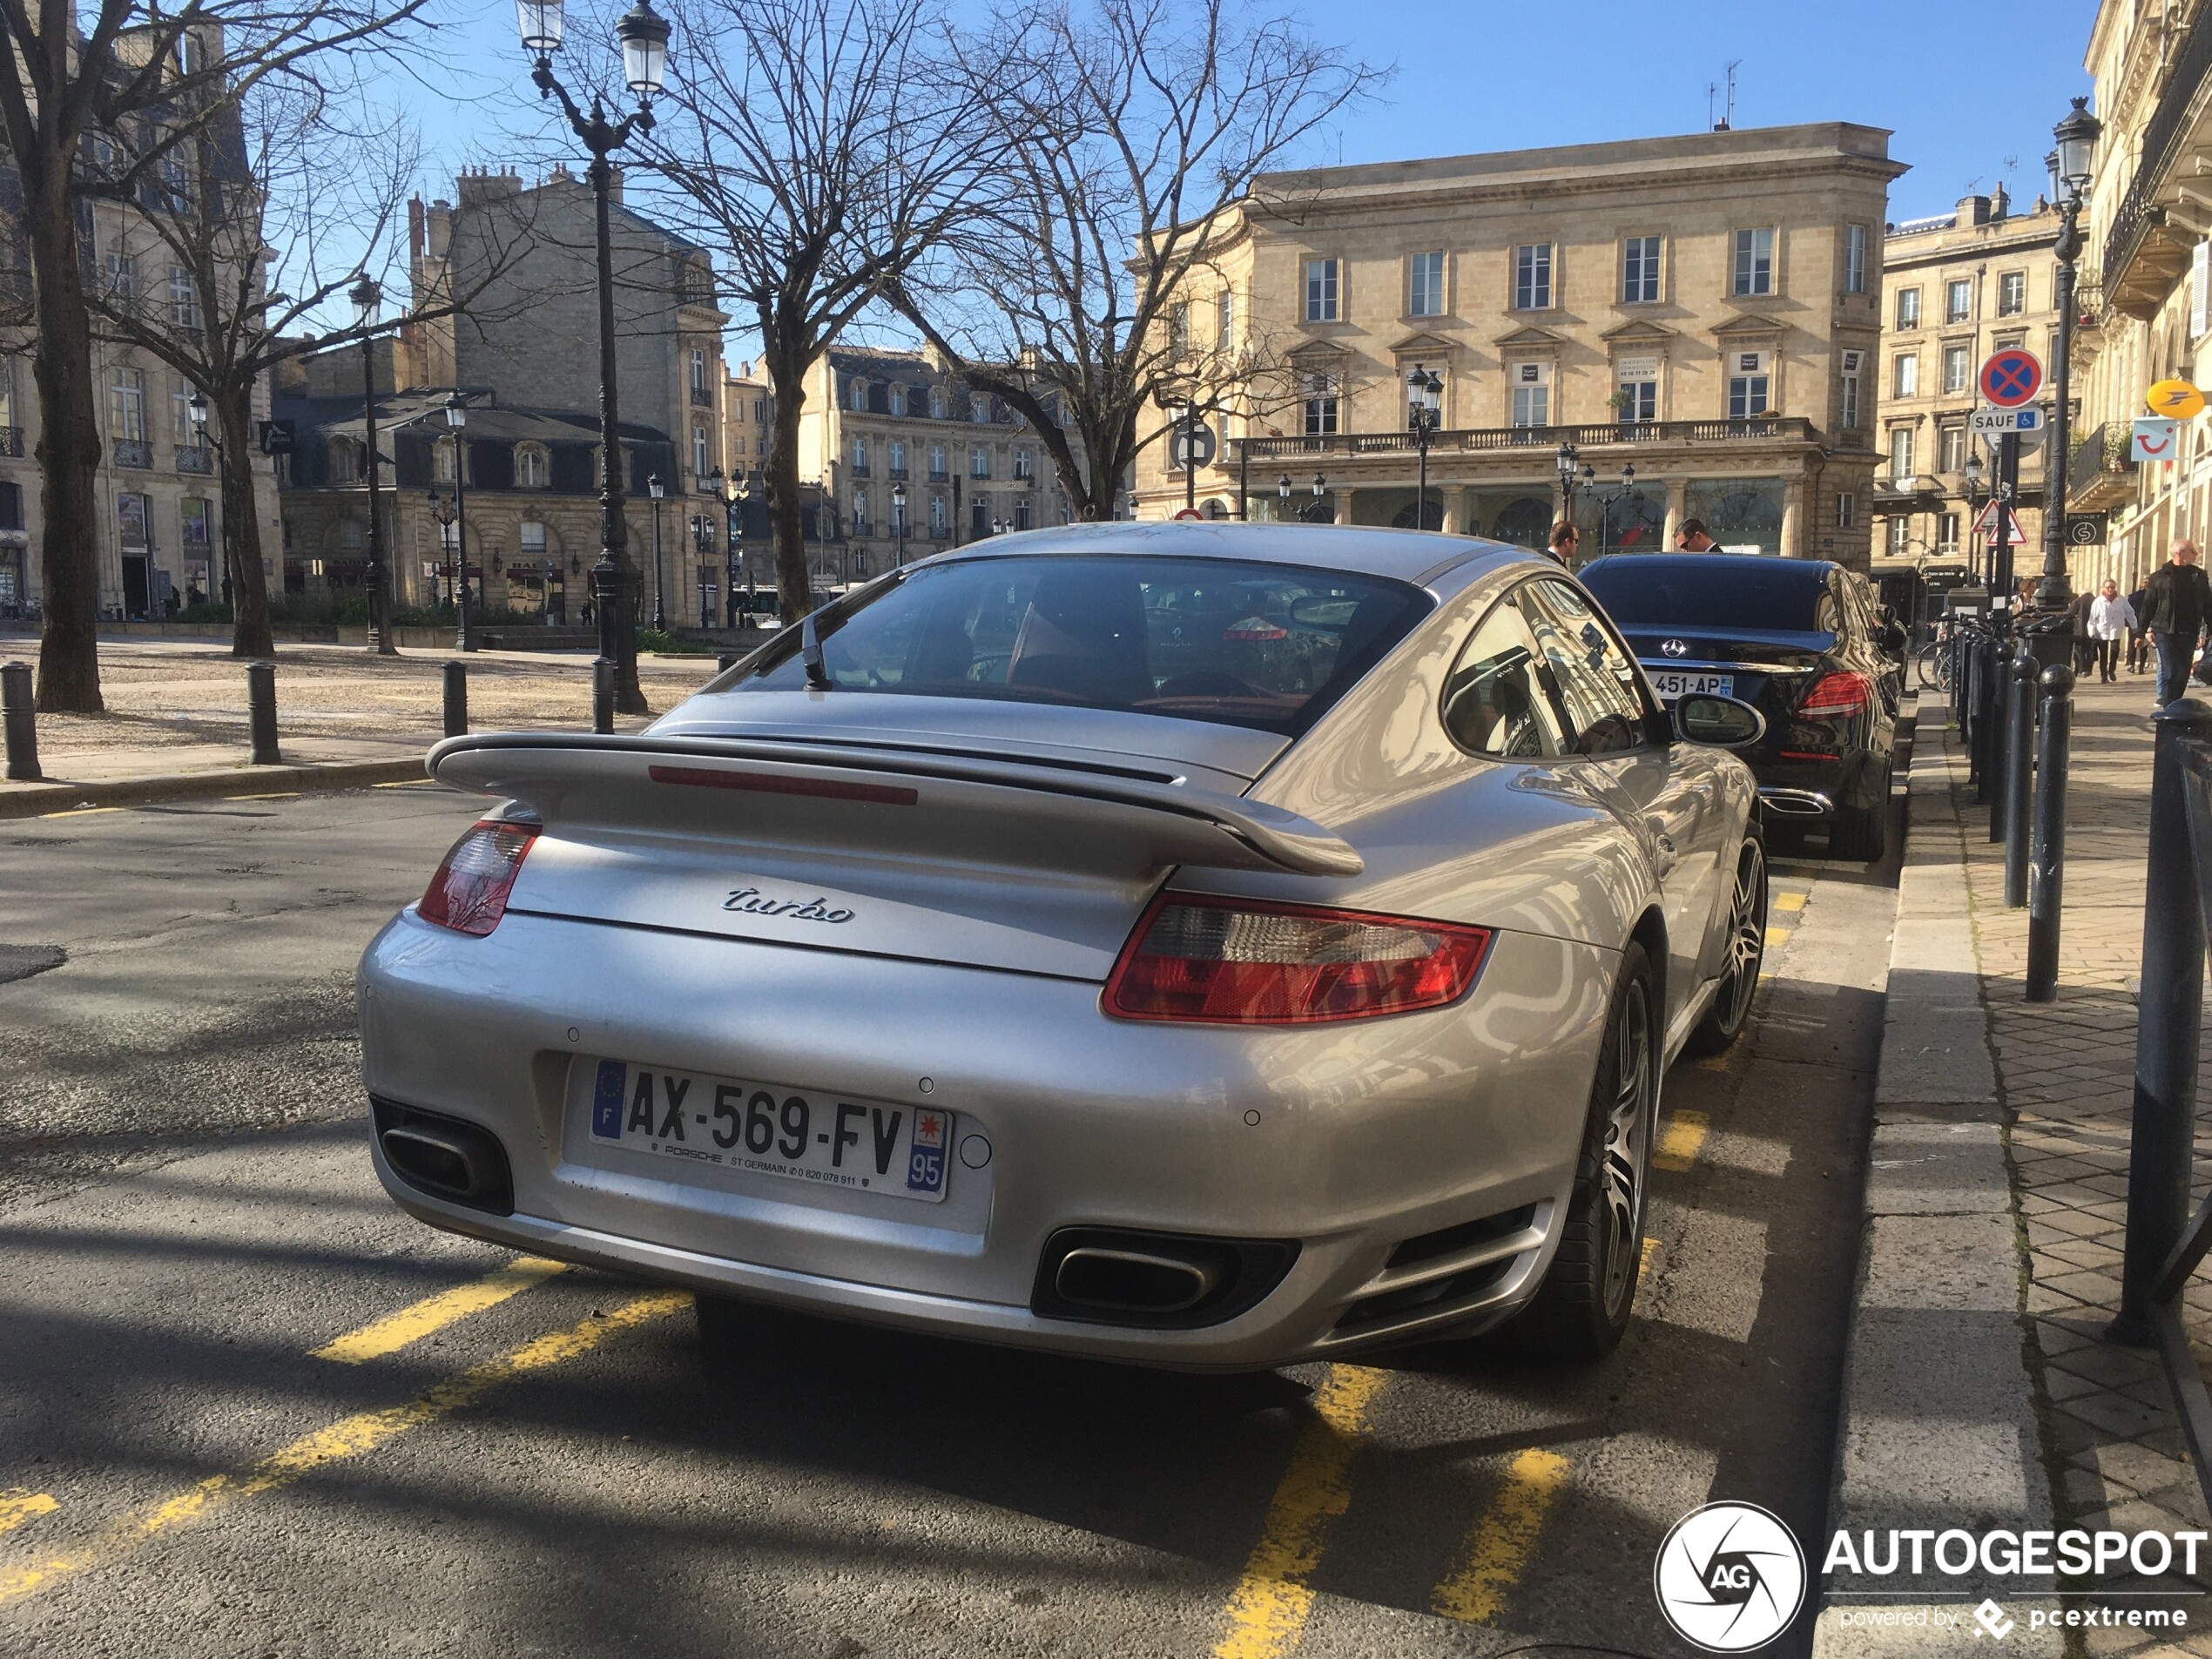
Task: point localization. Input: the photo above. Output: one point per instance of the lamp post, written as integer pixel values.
(643, 35)
(196, 411)
(445, 515)
(660, 586)
(2077, 136)
(1567, 459)
(1972, 471)
(367, 297)
(1320, 486)
(1282, 499)
(741, 498)
(1424, 409)
(703, 551)
(899, 526)
(457, 424)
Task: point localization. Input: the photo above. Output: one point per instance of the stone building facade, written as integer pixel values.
(1701, 309)
(525, 354)
(1954, 289)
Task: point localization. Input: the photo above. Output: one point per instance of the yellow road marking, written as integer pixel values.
(19, 1506)
(394, 1330)
(1268, 1611)
(1681, 1140)
(1502, 1542)
(350, 1437)
(1787, 900)
(405, 783)
(274, 795)
(81, 812)
(1644, 1260)
(1775, 936)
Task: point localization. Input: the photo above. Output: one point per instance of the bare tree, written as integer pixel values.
(1136, 129)
(103, 99)
(822, 146)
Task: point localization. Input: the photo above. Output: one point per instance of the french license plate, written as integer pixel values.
(868, 1146)
(1671, 682)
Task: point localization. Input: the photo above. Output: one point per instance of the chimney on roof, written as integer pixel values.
(483, 185)
(1972, 211)
(614, 185)
(1999, 203)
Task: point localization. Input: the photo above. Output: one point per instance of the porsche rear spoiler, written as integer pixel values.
(862, 798)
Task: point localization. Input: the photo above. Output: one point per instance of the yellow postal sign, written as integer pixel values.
(2175, 400)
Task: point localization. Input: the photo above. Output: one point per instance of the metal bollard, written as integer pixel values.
(456, 679)
(603, 695)
(725, 661)
(260, 712)
(1969, 736)
(21, 716)
(2008, 822)
(1988, 701)
(2169, 1011)
(2046, 875)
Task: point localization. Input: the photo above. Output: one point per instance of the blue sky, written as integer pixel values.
(1962, 88)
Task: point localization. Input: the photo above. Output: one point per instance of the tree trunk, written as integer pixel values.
(242, 532)
(68, 458)
(794, 587)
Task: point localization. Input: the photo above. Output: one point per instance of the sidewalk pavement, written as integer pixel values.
(176, 719)
(1981, 1392)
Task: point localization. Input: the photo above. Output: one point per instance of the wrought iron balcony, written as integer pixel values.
(2101, 472)
(193, 460)
(132, 452)
(1763, 428)
(10, 440)
(2143, 260)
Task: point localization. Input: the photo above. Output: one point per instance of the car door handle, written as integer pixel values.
(1664, 854)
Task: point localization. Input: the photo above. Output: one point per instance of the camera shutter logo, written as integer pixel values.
(1729, 1577)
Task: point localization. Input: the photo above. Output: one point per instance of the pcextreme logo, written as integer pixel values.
(1729, 1577)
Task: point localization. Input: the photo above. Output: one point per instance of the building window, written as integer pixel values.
(184, 298)
(936, 402)
(1904, 375)
(1754, 262)
(1958, 300)
(2011, 294)
(1638, 401)
(1952, 449)
(1847, 509)
(1908, 308)
(1023, 465)
(1179, 330)
(1224, 319)
(860, 457)
(121, 276)
(700, 461)
(859, 512)
(7, 390)
(126, 406)
(1640, 270)
(1532, 277)
(532, 470)
(978, 408)
(979, 516)
(898, 399)
(1854, 259)
(1532, 395)
(702, 391)
(979, 462)
(857, 395)
(533, 538)
(1021, 516)
(1320, 405)
(937, 463)
(1947, 533)
(1957, 369)
(441, 461)
(898, 459)
(349, 535)
(1849, 413)
(1900, 537)
(345, 460)
(1901, 454)
(1425, 285)
(1747, 396)
(1321, 296)
(180, 432)
(940, 518)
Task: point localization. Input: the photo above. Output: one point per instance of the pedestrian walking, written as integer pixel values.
(2084, 642)
(1565, 539)
(2138, 636)
(2111, 619)
(2176, 601)
(1690, 537)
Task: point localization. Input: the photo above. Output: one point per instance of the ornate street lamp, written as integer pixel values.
(1320, 488)
(457, 424)
(367, 297)
(660, 611)
(1973, 471)
(1567, 459)
(703, 551)
(445, 516)
(1283, 498)
(2077, 134)
(643, 35)
(1424, 411)
(899, 525)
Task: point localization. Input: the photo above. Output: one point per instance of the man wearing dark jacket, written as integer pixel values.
(2176, 602)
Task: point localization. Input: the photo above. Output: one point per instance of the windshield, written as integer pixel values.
(1255, 644)
(1726, 594)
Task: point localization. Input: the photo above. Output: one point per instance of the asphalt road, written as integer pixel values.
(497, 1459)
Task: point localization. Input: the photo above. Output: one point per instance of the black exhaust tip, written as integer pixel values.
(1156, 1281)
(448, 1157)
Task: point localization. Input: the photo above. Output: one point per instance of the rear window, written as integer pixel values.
(1265, 646)
(1731, 592)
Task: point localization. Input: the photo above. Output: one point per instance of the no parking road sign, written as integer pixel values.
(2011, 376)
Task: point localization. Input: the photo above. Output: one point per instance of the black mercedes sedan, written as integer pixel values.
(1803, 640)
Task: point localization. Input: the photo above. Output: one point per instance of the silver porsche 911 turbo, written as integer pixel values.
(1210, 945)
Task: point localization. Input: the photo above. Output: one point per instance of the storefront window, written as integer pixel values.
(1743, 515)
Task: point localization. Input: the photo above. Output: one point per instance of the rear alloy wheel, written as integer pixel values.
(1583, 1307)
(1732, 1009)
(1861, 834)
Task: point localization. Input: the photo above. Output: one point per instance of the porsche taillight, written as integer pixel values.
(468, 893)
(1236, 961)
(1834, 696)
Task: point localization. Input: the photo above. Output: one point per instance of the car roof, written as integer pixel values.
(1815, 569)
(1418, 556)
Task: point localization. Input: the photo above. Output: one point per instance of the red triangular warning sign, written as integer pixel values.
(1986, 521)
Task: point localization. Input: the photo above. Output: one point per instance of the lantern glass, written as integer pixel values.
(2077, 135)
(456, 413)
(653, 485)
(367, 298)
(644, 34)
(196, 408)
(540, 22)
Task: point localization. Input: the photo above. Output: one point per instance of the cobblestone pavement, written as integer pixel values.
(2066, 1071)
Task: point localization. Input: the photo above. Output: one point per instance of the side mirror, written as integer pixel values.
(1895, 639)
(1721, 722)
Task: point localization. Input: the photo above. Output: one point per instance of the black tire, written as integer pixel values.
(1861, 834)
(1732, 1009)
(1583, 1307)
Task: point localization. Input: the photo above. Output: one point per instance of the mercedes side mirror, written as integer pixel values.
(1721, 722)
